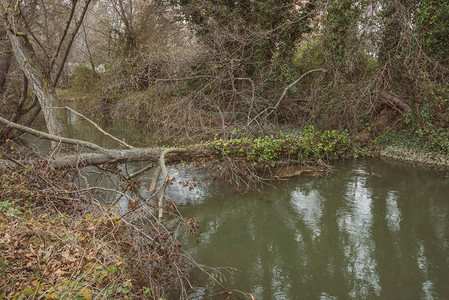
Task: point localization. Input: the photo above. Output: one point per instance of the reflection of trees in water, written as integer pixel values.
(310, 209)
(347, 235)
(355, 222)
(422, 201)
(439, 218)
(392, 213)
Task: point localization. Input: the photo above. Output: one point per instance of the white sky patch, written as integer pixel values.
(310, 209)
(355, 222)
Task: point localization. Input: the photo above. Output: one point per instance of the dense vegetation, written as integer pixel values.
(238, 69)
(266, 83)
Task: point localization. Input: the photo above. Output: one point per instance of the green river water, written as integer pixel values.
(349, 235)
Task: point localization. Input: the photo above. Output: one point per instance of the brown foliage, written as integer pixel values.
(56, 241)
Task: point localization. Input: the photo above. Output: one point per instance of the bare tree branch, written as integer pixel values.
(64, 33)
(70, 42)
(273, 108)
(113, 156)
(99, 128)
(52, 137)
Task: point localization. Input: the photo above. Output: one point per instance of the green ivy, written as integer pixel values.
(427, 139)
(310, 145)
(433, 26)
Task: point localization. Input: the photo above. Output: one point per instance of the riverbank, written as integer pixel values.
(428, 145)
(429, 148)
(58, 242)
(415, 156)
(101, 264)
(53, 243)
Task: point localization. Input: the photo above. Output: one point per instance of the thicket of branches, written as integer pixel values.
(208, 66)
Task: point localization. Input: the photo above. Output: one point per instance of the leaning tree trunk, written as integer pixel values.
(41, 84)
(5, 59)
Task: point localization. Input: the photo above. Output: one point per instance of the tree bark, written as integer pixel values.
(41, 82)
(19, 109)
(41, 85)
(5, 58)
(404, 106)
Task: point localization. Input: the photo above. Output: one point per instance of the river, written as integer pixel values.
(347, 235)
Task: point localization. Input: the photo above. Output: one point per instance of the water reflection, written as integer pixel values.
(309, 208)
(439, 219)
(350, 235)
(427, 285)
(393, 215)
(355, 223)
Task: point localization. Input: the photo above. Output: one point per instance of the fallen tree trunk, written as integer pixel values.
(394, 100)
(112, 156)
(232, 166)
(117, 156)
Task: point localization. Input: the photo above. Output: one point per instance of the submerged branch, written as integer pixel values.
(165, 174)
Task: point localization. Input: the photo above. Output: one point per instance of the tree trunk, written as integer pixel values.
(5, 58)
(41, 84)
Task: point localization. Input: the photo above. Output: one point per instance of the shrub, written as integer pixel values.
(84, 79)
(309, 56)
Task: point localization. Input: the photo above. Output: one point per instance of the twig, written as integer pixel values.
(13, 160)
(156, 175)
(273, 108)
(137, 173)
(52, 137)
(99, 128)
(165, 175)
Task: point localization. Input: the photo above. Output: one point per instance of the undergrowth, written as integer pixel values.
(57, 242)
(426, 138)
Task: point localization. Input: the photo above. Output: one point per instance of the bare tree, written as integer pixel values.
(20, 31)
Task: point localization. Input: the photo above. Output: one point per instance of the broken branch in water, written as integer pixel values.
(165, 174)
(99, 128)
